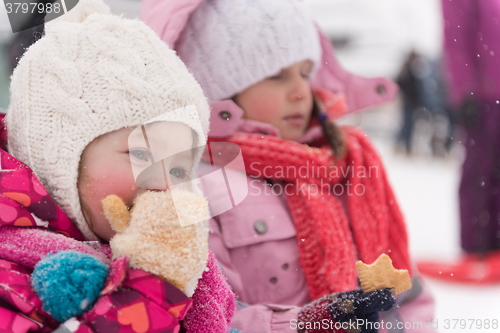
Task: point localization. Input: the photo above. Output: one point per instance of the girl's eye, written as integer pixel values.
(140, 154)
(178, 173)
(278, 76)
(306, 70)
(306, 75)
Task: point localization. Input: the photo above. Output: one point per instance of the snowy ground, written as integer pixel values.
(427, 192)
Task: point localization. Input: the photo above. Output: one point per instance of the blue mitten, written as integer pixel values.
(68, 283)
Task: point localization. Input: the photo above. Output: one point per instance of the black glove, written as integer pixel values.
(346, 311)
(361, 309)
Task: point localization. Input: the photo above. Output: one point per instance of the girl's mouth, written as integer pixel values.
(296, 119)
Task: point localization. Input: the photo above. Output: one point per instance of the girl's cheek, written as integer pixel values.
(96, 189)
(263, 107)
(124, 188)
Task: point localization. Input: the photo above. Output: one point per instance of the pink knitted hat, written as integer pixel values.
(170, 18)
(231, 44)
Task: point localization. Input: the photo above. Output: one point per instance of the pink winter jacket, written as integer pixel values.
(132, 300)
(255, 243)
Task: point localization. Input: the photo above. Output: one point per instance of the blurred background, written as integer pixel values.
(420, 142)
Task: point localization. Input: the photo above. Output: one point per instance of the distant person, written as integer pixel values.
(472, 53)
(422, 92)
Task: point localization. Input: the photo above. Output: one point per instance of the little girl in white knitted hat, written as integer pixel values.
(80, 98)
(318, 196)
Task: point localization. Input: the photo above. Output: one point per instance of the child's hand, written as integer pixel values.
(68, 283)
(352, 310)
(159, 235)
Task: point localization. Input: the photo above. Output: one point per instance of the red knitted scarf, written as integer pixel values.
(330, 237)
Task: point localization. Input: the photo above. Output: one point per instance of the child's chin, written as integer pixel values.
(293, 135)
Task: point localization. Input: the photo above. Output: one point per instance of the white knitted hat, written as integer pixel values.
(231, 44)
(84, 79)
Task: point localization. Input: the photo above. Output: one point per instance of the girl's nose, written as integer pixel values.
(154, 178)
(138, 190)
(300, 88)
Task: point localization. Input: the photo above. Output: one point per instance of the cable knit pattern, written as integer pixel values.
(82, 80)
(221, 35)
(374, 223)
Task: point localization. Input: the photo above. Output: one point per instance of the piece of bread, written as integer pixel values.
(381, 274)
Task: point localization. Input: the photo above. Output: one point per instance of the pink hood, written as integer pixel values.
(169, 17)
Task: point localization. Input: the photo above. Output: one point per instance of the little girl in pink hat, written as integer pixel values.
(317, 195)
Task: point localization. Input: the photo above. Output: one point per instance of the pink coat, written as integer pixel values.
(256, 246)
(255, 242)
(32, 226)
